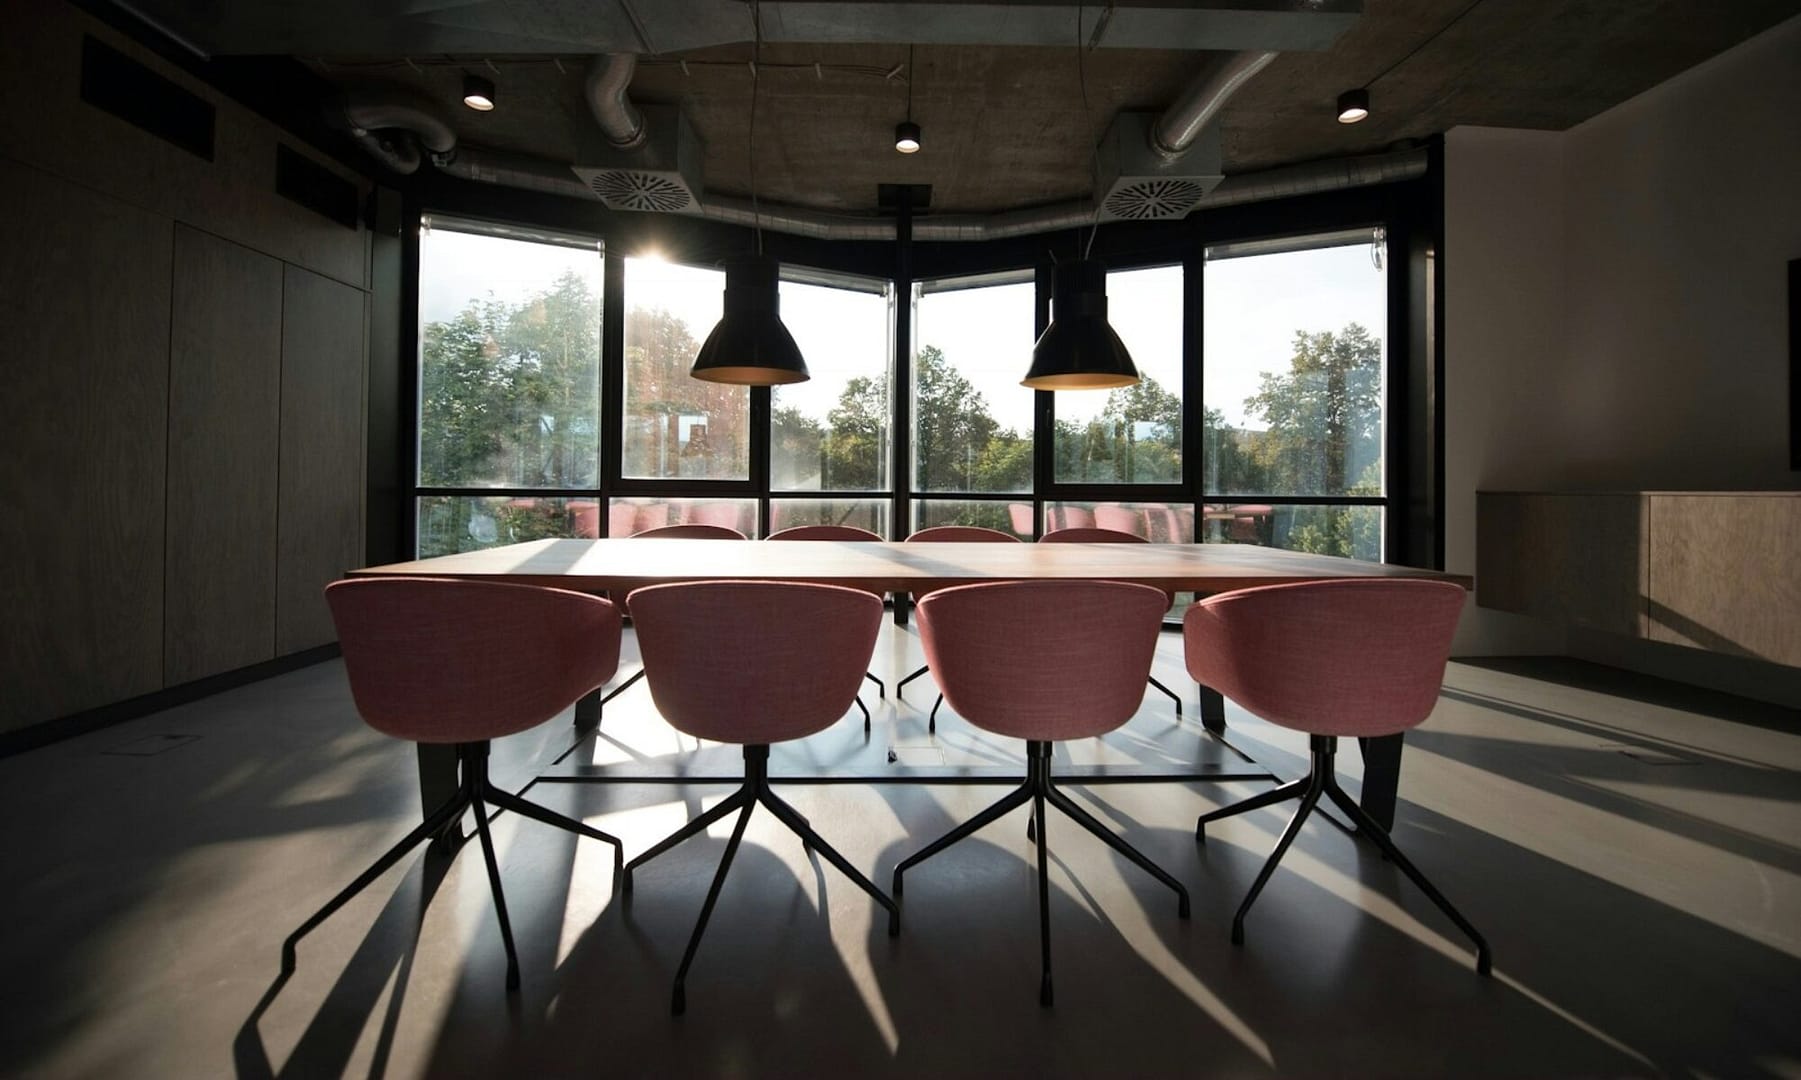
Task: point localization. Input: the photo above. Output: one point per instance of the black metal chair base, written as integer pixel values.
(474, 792)
(1321, 779)
(1040, 788)
(756, 790)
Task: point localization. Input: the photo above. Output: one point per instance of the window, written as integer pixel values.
(1294, 369)
(677, 426)
(509, 383)
(830, 433)
(1132, 435)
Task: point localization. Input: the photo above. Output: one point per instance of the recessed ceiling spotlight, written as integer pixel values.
(1353, 105)
(906, 137)
(478, 93)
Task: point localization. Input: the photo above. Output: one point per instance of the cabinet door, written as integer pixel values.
(84, 384)
(224, 407)
(321, 531)
(1725, 574)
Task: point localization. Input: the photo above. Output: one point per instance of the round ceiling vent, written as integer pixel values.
(1154, 199)
(625, 190)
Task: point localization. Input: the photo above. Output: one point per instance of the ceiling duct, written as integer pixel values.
(1133, 182)
(609, 77)
(662, 175)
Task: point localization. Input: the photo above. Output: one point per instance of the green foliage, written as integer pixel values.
(958, 445)
(659, 351)
(1137, 439)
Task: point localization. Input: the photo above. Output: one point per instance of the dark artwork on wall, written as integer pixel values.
(1794, 364)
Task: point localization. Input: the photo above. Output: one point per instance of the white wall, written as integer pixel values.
(1615, 302)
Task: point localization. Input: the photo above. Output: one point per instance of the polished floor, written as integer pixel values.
(1632, 850)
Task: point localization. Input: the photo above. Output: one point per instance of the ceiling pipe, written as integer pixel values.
(1176, 130)
(393, 126)
(609, 77)
(515, 170)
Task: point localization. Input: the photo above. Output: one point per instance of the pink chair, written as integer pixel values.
(949, 534)
(464, 662)
(1113, 536)
(753, 663)
(841, 534)
(1043, 661)
(584, 518)
(689, 531)
(1120, 518)
(1331, 658)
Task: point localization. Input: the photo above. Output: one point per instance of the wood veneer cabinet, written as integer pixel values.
(1719, 571)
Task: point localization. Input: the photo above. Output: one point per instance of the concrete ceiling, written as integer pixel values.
(1006, 127)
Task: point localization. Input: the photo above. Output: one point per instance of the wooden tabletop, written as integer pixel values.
(591, 565)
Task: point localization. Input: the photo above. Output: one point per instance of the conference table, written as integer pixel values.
(619, 565)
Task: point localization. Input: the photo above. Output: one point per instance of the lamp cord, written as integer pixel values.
(1094, 155)
(756, 55)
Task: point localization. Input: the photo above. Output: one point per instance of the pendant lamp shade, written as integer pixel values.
(1078, 350)
(750, 346)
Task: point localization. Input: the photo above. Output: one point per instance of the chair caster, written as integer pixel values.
(512, 978)
(1484, 965)
(1182, 907)
(625, 879)
(678, 1002)
(1044, 991)
(894, 889)
(1238, 931)
(1200, 832)
(894, 924)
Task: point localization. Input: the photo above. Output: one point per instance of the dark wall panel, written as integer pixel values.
(84, 295)
(224, 412)
(321, 532)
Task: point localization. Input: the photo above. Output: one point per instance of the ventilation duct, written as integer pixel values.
(1134, 182)
(662, 175)
(609, 77)
(393, 125)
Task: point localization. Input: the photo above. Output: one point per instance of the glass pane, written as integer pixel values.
(1294, 347)
(1006, 517)
(628, 517)
(1160, 523)
(452, 523)
(830, 433)
(1352, 531)
(509, 364)
(972, 421)
(871, 514)
(1132, 435)
(676, 425)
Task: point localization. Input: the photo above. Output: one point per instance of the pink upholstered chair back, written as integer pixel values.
(689, 531)
(754, 661)
(1120, 518)
(1359, 657)
(727, 514)
(441, 661)
(824, 532)
(1068, 517)
(961, 534)
(1043, 660)
(1091, 536)
(584, 518)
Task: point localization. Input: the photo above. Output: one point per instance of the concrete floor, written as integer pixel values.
(1631, 849)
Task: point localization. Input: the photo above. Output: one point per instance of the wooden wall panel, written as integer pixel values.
(84, 297)
(1725, 573)
(231, 196)
(1570, 557)
(224, 416)
(321, 530)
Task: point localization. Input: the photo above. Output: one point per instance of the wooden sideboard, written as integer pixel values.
(1709, 570)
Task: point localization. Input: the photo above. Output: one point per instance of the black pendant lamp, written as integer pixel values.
(750, 346)
(1078, 350)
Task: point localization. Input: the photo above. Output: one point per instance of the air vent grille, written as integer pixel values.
(625, 189)
(1154, 200)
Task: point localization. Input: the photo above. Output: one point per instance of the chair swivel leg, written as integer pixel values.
(1168, 693)
(700, 824)
(439, 818)
(1118, 843)
(506, 800)
(1009, 802)
(864, 709)
(623, 687)
(788, 816)
(1367, 826)
(1291, 790)
(901, 687)
(881, 688)
(932, 721)
(1308, 800)
(678, 1002)
(500, 900)
(1044, 899)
